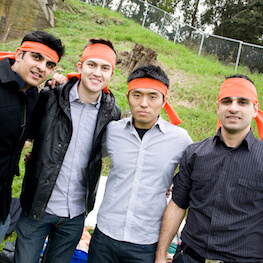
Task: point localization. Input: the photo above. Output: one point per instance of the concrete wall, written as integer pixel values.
(18, 17)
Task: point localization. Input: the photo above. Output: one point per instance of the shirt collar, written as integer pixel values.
(159, 123)
(247, 142)
(22, 84)
(74, 96)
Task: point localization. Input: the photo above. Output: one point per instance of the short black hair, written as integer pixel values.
(93, 41)
(46, 39)
(149, 71)
(240, 76)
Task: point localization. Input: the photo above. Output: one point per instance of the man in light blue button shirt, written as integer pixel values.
(62, 174)
(144, 151)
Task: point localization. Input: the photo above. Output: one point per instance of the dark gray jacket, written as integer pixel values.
(52, 133)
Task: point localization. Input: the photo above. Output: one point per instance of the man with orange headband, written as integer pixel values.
(144, 151)
(20, 73)
(221, 182)
(62, 174)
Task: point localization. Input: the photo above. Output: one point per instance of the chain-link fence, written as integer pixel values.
(230, 51)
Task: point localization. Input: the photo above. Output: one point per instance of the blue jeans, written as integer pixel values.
(64, 235)
(4, 227)
(182, 258)
(104, 249)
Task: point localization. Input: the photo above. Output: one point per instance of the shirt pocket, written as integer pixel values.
(251, 193)
(201, 184)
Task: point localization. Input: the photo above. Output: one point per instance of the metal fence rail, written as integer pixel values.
(230, 51)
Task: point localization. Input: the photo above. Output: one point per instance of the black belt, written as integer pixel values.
(190, 252)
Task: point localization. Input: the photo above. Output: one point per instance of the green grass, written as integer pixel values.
(195, 80)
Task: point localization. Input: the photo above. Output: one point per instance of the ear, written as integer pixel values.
(164, 101)
(19, 54)
(79, 66)
(256, 108)
(217, 108)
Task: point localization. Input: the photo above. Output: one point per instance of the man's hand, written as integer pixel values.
(27, 157)
(57, 79)
(160, 260)
(168, 192)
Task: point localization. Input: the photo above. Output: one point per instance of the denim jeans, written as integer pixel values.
(182, 258)
(104, 249)
(64, 235)
(4, 227)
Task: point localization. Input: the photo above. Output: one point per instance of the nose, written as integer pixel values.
(42, 65)
(97, 71)
(233, 108)
(144, 102)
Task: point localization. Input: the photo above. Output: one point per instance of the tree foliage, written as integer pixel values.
(238, 19)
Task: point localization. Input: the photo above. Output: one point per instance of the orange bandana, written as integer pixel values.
(240, 87)
(33, 47)
(101, 51)
(98, 50)
(149, 83)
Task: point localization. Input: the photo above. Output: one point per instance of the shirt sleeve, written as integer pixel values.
(182, 181)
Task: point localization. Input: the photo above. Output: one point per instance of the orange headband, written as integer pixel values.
(101, 51)
(33, 47)
(149, 83)
(240, 87)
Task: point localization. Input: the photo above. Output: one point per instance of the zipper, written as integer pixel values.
(23, 125)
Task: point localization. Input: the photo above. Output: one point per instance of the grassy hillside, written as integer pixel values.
(195, 80)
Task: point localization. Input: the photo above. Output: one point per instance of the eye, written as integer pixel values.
(50, 65)
(106, 68)
(36, 56)
(90, 64)
(225, 102)
(243, 102)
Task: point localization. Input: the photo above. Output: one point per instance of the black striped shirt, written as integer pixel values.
(223, 189)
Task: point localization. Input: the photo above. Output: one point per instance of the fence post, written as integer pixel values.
(163, 22)
(147, 7)
(176, 33)
(238, 55)
(201, 45)
(103, 5)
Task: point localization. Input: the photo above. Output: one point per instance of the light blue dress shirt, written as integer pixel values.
(69, 193)
(140, 173)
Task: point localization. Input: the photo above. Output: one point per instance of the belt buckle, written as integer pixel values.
(213, 261)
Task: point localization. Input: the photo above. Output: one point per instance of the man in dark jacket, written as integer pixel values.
(63, 171)
(20, 73)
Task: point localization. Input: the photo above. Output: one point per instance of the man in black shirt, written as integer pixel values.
(221, 181)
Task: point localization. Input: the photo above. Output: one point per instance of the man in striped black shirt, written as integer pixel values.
(221, 182)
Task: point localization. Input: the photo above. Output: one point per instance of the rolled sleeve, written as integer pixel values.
(182, 183)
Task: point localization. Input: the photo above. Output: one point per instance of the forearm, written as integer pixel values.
(172, 219)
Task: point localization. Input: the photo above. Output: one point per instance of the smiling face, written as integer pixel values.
(95, 75)
(33, 68)
(235, 114)
(145, 105)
